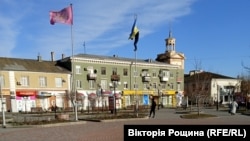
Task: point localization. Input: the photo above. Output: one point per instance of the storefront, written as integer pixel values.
(25, 99)
(43, 100)
(129, 97)
(169, 98)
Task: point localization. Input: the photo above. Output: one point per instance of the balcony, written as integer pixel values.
(91, 76)
(146, 78)
(115, 77)
(164, 79)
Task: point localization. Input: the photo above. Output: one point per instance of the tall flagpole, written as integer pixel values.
(73, 73)
(136, 96)
(134, 35)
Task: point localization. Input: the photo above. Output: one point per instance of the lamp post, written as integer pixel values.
(218, 89)
(3, 113)
(160, 98)
(114, 85)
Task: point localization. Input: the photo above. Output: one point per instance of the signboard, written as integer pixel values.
(26, 93)
(145, 99)
(111, 103)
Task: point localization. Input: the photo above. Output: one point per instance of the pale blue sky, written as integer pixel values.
(212, 33)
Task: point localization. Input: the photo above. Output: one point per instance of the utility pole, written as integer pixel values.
(3, 113)
(218, 89)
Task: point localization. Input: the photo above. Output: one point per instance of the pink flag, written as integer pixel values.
(64, 16)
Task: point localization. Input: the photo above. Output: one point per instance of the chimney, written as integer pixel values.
(52, 56)
(39, 58)
(63, 56)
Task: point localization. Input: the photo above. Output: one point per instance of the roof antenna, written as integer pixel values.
(84, 47)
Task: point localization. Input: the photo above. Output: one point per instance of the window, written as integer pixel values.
(163, 86)
(171, 75)
(145, 72)
(165, 73)
(103, 70)
(2, 81)
(135, 73)
(58, 82)
(154, 85)
(171, 86)
(78, 84)
(104, 84)
(145, 86)
(114, 71)
(42, 81)
(154, 73)
(193, 87)
(90, 69)
(78, 69)
(125, 85)
(25, 81)
(125, 72)
(135, 86)
(91, 84)
(178, 86)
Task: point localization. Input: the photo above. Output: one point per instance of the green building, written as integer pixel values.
(96, 78)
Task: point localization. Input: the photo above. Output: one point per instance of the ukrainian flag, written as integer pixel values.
(134, 35)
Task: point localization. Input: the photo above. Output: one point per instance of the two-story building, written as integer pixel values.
(210, 88)
(27, 83)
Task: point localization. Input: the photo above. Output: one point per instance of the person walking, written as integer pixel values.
(152, 108)
(233, 107)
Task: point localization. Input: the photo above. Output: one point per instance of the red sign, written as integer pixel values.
(25, 93)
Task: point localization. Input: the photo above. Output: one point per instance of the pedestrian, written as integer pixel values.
(234, 106)
(152, 108)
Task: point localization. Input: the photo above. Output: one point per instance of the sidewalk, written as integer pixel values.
(113, 129)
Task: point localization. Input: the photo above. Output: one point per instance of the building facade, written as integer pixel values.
(129, 80)
(98, 77)
(210, 88)
(92, 81)
(27, 84)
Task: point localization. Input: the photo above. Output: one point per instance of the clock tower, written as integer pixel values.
(171, 56)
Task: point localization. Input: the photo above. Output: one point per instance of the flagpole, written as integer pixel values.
(136, 96)
(73, 72)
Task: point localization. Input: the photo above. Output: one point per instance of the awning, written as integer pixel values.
(118, 95)
(81, 93)
(25, 93)
(106, 93)
(92, 96)
(137, 92)
(169, 92)
(44, 94)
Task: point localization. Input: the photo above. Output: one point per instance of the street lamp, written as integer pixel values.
(160, 98)
(218, 90)
(3, 113)
(114, 85)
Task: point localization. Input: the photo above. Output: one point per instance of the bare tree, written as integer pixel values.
(245, 89)
(197, 86)
(245, 85)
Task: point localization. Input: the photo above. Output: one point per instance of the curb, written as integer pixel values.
(114, 120)
(47, 125)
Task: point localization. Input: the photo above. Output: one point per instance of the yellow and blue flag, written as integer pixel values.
(134, 35)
